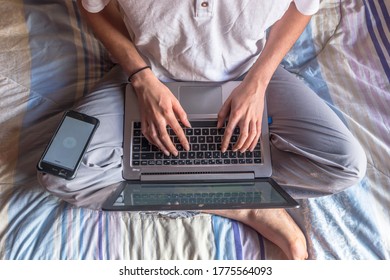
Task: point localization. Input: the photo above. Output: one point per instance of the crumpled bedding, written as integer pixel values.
(49, 59)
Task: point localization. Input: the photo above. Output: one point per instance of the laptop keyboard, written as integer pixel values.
(205, 148)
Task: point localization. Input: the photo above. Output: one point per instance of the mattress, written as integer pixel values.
(49, 59)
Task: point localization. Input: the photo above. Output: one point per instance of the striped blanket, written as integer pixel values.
(49, 59)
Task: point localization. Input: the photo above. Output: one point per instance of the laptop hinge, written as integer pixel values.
(198, 177)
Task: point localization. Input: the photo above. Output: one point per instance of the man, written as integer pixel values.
(154, 41)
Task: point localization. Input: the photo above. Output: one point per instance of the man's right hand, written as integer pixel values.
(159, 108)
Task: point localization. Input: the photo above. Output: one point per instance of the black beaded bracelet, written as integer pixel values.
(137, 71)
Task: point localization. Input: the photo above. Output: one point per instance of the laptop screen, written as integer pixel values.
(138, 196)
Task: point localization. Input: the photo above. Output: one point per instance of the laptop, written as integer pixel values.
(203, 177)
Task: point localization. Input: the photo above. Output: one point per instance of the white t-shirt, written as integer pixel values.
(200, 40)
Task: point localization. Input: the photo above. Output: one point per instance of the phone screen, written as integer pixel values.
(69, 143)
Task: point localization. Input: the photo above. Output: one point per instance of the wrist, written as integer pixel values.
(259, 76)
(257, 84)
(139, 78)
(137, 71)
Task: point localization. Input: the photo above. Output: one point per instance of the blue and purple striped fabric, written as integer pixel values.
(49, 59)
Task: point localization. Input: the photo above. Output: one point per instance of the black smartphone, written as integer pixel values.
(66, 148)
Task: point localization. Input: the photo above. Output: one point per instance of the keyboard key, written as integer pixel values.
(232, 154)
(216, 154)
(175, 157)
(137, 132)
(147, 156)
(191, 155)
(136, 156)
(136, 148)
(189, 131)
(159, 155)
(209, 139)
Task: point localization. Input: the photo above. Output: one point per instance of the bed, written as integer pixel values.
(49, 59)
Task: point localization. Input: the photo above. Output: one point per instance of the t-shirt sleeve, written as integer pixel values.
(307, 7)
(94, 6)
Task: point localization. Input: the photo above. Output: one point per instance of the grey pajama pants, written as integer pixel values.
(313, 153)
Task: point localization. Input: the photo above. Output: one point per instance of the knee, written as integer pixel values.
(50, 183)
(359, 163)
(88, 192)
(353, 166)
(58, 187)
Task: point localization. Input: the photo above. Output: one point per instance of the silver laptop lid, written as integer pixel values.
(201, 101)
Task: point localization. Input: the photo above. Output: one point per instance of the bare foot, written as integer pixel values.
(274, 224)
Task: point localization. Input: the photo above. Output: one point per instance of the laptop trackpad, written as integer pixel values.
(201, 99)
